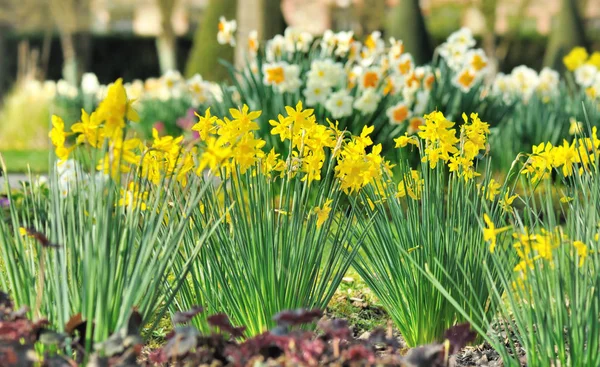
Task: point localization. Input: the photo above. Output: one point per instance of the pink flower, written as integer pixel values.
(159, 126)
(186, 122)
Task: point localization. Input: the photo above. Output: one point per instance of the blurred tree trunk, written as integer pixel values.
(72, 18)
(206, 51)
(249, 17)
(507, 40)
(69, 71)
(407, 23)
(343, 19)
(166, 42)
(45, 53)
(83, 47)
(567, 33)
(3, 67)
(273, 21)
(369, 15)
(83, 35)
(488, 9)
(263, 16)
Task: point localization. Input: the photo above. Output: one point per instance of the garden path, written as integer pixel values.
(13, 180)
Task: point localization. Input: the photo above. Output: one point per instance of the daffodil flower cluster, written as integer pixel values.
(473, 139)
(104, 132)
(442, 144)
(343, 75)
(531, 247)
(586, 69)
(579, 154)
(523, 83)
(439, 143)
(229, 142)
(169, 86)
(356, 167)
(106, 123)
(538, 250)
(439, 137)
(469, 64)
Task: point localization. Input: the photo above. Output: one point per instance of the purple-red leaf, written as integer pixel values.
(41, 238)
(222, 322)
(297, 317)
(335, 328)
(186, 316)
(459, 336)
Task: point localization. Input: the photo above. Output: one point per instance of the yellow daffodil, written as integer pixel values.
(574, 59)
(492, 190)
(89, 130)
(58, 136)
(205, 124)
(582, 251)
(506, 202)
(404, 140)
(115, 109)
(323, 212)
(490, 233)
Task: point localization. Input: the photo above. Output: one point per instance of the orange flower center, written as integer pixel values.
(370, 79)
(404, 67)
(252, 44)
(466, 78)
(275, 75)
(414, 124)
(389, 87)
(370, 43)
(412, 81)
(400, 113)
(478, 62)
(429, 82)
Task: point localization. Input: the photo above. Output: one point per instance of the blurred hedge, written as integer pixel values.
(132, 57)
(112, 56)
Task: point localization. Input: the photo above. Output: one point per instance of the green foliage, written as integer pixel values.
(271, 254)
(551, 289)
(86, 249)
(539, 120)
(439, 232)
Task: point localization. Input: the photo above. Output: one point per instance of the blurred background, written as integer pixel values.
(137, 39)
(51, 40)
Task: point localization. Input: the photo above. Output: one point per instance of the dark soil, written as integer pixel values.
(479, 355)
